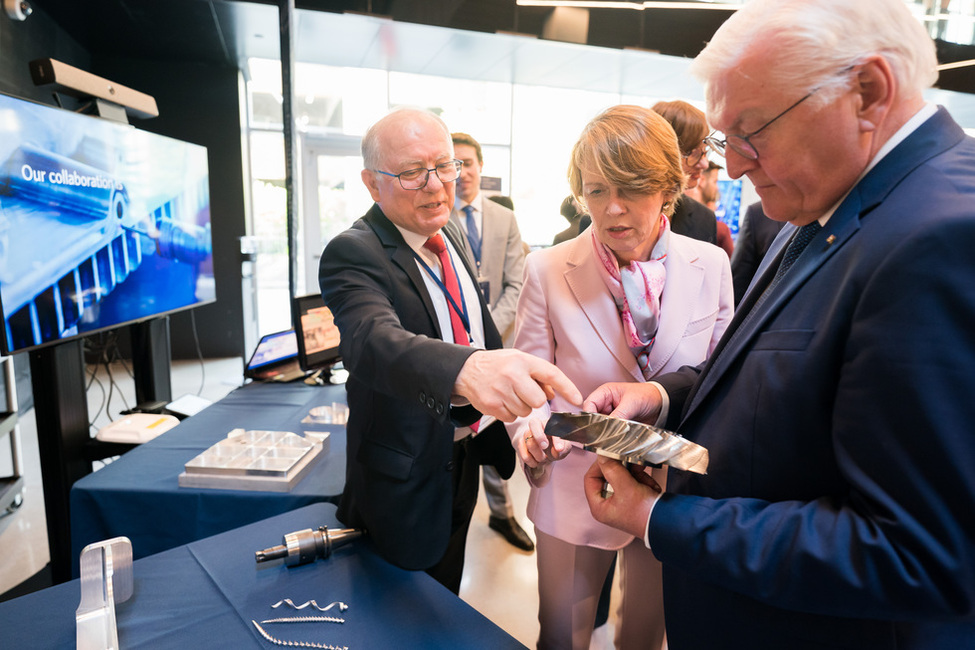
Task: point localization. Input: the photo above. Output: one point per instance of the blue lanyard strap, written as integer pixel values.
(461, 311)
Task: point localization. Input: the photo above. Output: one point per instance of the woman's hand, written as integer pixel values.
(536, 448)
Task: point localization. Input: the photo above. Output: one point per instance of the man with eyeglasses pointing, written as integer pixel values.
(422, 354)
(837, 408)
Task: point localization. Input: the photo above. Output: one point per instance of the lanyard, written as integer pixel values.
(461, 311)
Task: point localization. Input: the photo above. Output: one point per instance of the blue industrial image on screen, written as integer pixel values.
(729, 205)
(101, 225)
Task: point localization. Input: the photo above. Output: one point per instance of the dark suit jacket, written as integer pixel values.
(576, 227)
(838, 507)
(754, 239)
(695, 220)
(401, 375)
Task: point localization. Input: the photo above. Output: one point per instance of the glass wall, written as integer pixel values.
(526, 133)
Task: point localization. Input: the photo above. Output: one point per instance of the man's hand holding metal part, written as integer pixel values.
(628, 504)
(627, 400)
(627, 507)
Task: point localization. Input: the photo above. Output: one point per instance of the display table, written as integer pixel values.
(138, 495)
(205, 594)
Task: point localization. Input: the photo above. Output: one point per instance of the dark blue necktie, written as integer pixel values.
(472, 235)
(798, 244)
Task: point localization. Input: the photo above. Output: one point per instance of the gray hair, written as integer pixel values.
(816, 42)
(371, 145)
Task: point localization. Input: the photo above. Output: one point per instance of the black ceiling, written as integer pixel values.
(206, 30)
(224, 32)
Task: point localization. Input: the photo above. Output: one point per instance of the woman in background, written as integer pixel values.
(691, 218)
(624, 301)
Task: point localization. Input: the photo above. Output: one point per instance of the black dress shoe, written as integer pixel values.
(512, 532)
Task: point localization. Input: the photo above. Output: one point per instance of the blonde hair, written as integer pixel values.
(689, 122)
(632, 147)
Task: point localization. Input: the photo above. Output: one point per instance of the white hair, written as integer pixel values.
(816, 42)
(371, 145)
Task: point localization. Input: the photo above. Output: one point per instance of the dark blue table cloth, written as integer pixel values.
(138, 495)
(205, 594)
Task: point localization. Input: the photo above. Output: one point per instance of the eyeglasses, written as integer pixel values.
(742, 143)
(416, 179)
(694, 157)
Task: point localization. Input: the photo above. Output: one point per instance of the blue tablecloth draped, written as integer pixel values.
(205, 594)
(138, 494)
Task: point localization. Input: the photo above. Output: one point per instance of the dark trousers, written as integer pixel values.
(466, 476)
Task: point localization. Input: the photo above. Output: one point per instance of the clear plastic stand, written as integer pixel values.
(106, 578)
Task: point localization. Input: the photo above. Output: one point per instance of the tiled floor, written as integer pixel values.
(499, 580)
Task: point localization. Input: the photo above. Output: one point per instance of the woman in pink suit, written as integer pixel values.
(624, 301)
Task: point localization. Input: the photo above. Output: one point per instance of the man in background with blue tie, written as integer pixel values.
(499, 255)
(837, 408)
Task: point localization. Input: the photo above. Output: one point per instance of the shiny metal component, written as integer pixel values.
(296, 644)
(304, 546)
(106, 579)
(305, 619)
(628, 441)
(310, 603)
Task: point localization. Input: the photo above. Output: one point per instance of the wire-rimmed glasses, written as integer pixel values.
(741, 144)
(416, 179)
(693, 158)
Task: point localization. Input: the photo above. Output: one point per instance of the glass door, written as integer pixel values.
(333, 197)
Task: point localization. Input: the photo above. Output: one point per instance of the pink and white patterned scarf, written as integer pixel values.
(636, 288)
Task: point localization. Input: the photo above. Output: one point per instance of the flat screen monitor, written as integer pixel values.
(318, 336)
(729, 205)
(101, 225)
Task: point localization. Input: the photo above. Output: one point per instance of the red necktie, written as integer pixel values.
(436, 244)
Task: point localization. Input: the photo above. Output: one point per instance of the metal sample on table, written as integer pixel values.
(304, 546)
(628, 441)
(254, 460)
(106, 579)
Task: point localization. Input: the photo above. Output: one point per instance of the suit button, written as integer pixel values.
(439, 408)
(423, 397)
(431, 402)
(450, 465)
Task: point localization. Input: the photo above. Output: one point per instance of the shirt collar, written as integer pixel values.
(476, 204)
(416, 240)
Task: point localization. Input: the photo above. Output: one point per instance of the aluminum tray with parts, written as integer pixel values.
(254, 460)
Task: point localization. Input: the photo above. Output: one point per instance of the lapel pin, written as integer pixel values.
(830, 240)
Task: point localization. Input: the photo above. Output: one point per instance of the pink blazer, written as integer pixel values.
(567, 315)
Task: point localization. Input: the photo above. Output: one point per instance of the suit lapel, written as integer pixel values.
(401, 255)
(930, 139)
(586, 284)
(738, 339)
(685, 277)
(493, 240)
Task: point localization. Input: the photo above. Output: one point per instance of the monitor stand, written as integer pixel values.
(334, 375)
(61, 413)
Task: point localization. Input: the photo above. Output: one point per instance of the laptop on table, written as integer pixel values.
(275, 358)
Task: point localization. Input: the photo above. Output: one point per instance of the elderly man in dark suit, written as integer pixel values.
(413, 327)
(837, 409)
